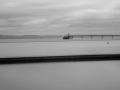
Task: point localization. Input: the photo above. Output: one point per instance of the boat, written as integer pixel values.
(68, 36)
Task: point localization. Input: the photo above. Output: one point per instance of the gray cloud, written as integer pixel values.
(44, 15)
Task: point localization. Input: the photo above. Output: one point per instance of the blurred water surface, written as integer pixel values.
(86, 75)
(59, 48)
(94, 75)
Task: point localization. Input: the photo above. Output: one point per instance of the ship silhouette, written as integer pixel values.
(68, 36)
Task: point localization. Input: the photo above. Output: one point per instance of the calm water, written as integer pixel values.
(95, 75)
(59, 48)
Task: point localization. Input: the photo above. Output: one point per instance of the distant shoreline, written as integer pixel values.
(50, 40)
(54, 36)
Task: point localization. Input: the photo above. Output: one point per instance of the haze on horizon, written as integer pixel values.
(50, 17)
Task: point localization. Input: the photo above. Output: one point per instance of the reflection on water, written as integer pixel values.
(99, 75)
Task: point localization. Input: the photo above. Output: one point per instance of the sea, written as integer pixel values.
(85, 75)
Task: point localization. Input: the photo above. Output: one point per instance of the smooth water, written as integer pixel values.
(59, 48)
(94, 75)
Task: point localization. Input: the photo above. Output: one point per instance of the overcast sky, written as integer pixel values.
(59, 16)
